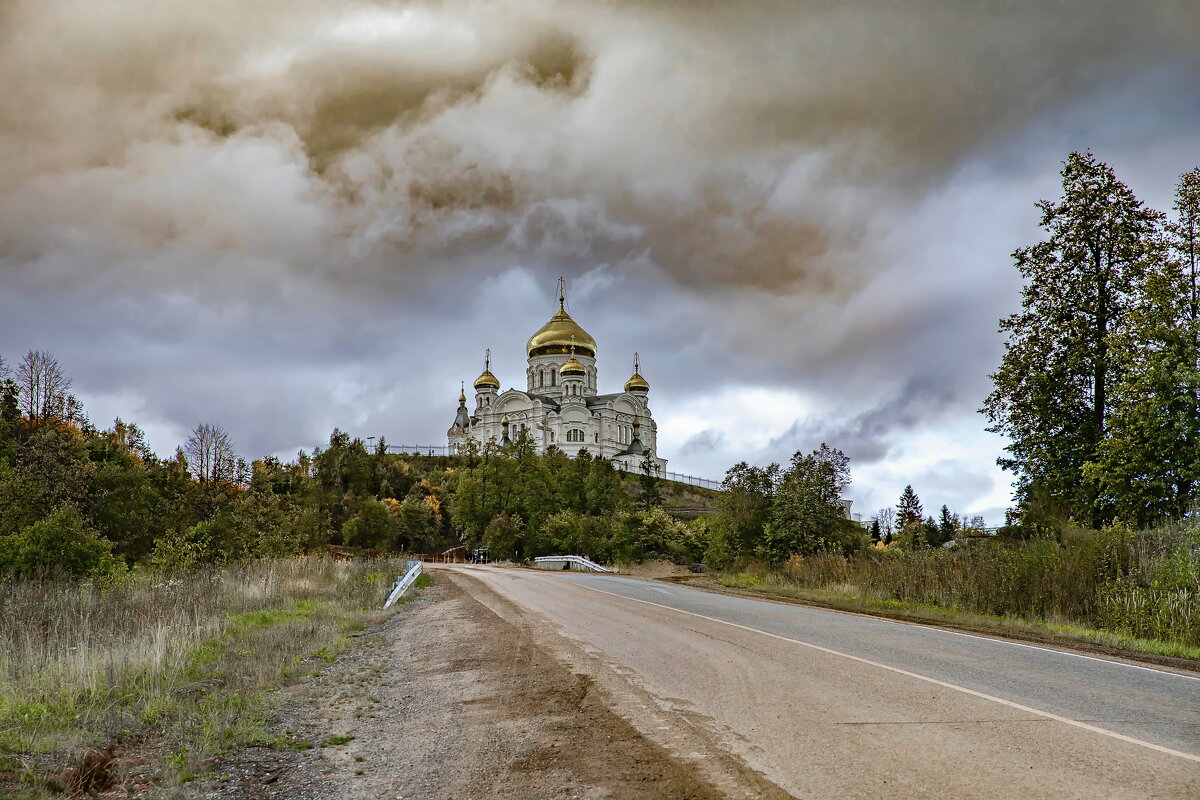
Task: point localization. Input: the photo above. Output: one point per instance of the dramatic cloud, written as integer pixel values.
(283, 216)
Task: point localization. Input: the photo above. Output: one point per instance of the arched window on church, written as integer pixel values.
(541, 378)
(553, 377)
(575, 435)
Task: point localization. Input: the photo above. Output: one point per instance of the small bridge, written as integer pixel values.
(578, 563)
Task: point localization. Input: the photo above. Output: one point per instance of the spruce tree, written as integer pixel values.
(908, 510)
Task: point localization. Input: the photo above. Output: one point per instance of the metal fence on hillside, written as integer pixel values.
(678, 477)
(445, 450)
(421, 449)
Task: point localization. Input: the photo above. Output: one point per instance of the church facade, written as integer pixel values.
(561, 405)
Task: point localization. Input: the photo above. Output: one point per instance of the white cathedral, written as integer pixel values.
(560, 405)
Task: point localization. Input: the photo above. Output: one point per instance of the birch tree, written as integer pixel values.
(43, 387)
(210, 454)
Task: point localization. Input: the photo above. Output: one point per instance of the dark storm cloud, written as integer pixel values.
(868, 435)
(232, 207)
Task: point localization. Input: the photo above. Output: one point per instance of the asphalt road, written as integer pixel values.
(828, 704)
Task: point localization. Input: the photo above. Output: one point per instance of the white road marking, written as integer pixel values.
(1028, 709)
(1053, 650)
(996, 639)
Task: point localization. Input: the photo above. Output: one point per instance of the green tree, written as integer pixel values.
(373, 526)
(417, 528)
(62, 541)
(505, 537)
(1052, 389)
(650, 496)
(908, 510)
(644, 534)
(605, 493)
(945, 529)
(743, 509)
(1148, 467)
(806, 514)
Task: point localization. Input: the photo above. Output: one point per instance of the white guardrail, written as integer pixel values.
(568, 562)
(403, 582)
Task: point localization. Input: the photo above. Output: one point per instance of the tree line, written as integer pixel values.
(86, 500)
(1098, 391)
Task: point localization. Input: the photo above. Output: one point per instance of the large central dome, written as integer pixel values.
(559, 334)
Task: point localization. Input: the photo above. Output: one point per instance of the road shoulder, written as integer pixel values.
(447, 699)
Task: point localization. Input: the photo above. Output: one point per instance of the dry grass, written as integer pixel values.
(180, 659)
(1136, 590)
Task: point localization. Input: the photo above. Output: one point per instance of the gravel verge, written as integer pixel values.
(445, 699)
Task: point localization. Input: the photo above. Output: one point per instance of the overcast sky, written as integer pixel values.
(289, 215)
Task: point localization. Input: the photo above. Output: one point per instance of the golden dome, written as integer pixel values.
(637, 383)
(572, 367)
(560, 333)
(487, 380)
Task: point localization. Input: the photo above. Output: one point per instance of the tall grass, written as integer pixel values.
(176, 655)
(1143, 584)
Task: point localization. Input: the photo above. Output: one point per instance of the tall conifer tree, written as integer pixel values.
(1052, 390)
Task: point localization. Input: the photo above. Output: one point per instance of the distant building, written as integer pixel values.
(560, 405)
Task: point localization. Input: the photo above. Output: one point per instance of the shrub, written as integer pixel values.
(61, 541)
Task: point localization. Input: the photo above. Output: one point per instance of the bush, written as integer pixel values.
(61, 541)
(1142, 583)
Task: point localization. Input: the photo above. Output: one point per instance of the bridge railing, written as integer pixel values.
(403, 582)
(544, 562)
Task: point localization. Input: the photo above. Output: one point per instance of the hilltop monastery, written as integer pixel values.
(560, 405)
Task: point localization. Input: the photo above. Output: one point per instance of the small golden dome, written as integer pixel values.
(572, 367)
(637, 384)
(504, 421)
(487, 381)
(560, 333)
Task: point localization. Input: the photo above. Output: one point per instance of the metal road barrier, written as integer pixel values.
(403, 582)
(568, 562)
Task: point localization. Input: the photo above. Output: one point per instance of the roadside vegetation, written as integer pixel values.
(172, 667)
(1098, 393)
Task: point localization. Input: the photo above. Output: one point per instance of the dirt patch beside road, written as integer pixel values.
(448, 700)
